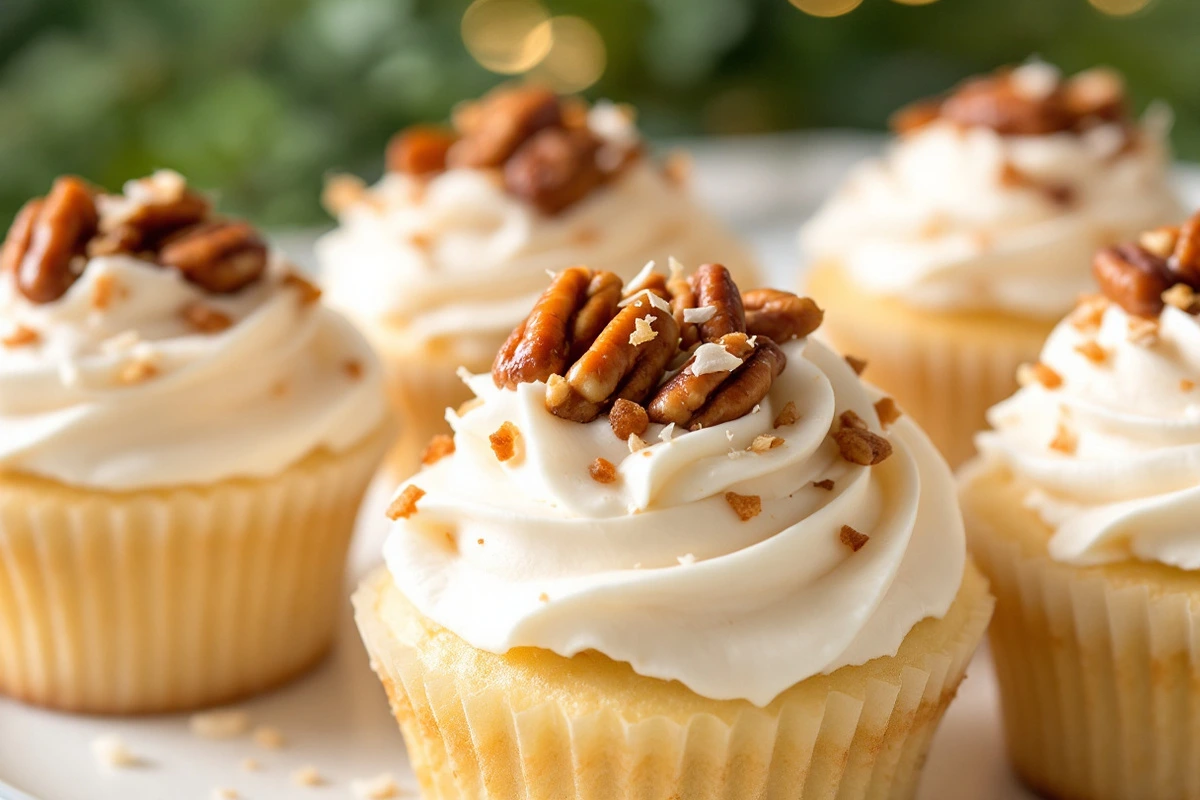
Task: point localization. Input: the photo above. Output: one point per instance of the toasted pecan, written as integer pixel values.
(781, 316)
(54, 232)
(996, 102)
(747, 386)
(493, 127)
(601, 303)
(1132, 277)
(714, 286)
(554, 169)
(677, 400)
(221, 256)
(419, 150)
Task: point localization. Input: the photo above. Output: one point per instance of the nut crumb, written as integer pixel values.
(137, 371)
(1187, 385)
(404, 505)
(1159, 241)
(856, 364)
(1092, 351)
(1143, 331)
(438, 448)
(225, 794)
(268, 737)
(635, 443)
(381, 787)
(826, 484)
(746, 506)
(341, 192)
(627, 418)
(1038, 372)
(112, 752)
(504, 441)
(205, 319)
(1181, 296)
(1089, 312)
(1065, 441)
(544, 598)
(224, 724)
(602, 471)
(309, 291)
(307, 776)
(887, 411)
(788, 416)
(353, 369)
(852, 538)
(421, 241)
(764, 442)
(21, 336)
(104, 288)
(857, 444)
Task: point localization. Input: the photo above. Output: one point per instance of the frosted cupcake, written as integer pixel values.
(1082, 510)
(664, 555)
(185, 434)
(947, 262)
(445, 255)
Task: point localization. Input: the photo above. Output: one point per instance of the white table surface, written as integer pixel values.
(336, 719)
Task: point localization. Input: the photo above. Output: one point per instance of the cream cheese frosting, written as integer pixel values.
(127, 394)
(456, 257)
(655, 569)
(940, 221)
(1122, 479)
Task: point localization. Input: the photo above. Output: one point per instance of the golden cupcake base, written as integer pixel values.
(533, 725)
(945, 370)
(173, 599)
(1099, 667)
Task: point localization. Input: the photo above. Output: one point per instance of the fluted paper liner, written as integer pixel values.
(536, 726)
(173, 599)
(1099, 668)
(945, 370)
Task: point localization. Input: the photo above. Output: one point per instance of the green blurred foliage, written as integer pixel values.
(261, 98)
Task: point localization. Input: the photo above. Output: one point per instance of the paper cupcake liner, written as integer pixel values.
(944, 370)
(174, 599)
(1099, 674)
(861, 733)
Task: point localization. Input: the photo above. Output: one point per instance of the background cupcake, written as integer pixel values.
(749, 579)
(185, 434)
(947, 262)
(1082, 511)
(442, 258)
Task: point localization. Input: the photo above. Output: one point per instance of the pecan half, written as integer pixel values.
(222, 256)
(47, 236)
(996, 102)
(685, 393)
(554, 169)
(682, 297)
(780, 316)
(128, 226)
(419, 150)
(915, 116)
(714, 286)
(613, 368)
(572, 311)
(496, 125)
(1185, 258)
(1098, 93)
(1133, 278)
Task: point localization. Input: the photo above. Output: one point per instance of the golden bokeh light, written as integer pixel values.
(1120, 8)
(577, 56)
(826, 8)
(507, 36)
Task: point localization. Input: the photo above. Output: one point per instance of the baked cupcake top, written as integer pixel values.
(1106, 428)
(146, 342)
(996, 195)
(680, 477)
(457, 236)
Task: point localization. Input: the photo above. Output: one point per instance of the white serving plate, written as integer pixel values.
(336, 719)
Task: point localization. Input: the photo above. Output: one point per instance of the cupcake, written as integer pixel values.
(1079, 509)
(675, 548)
(444, 256)
(185, 435)
(947, 262)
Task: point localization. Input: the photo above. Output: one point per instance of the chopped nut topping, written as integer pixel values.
(1089, 312)
(856, 364)
(1092, 351)
(788, 415)
(104, 289)
(1040, 373)
(1181, 296)
(782, 316)
(643, 330)
(602, 471)
(1187, 385)
(764, 442)
(438, 448)
(137, 371)
(1143, 332)
(544, 598)
(1133, 278)
(746, 506)
(309, 291)
(857, 444)
(341, 192)
(627, 418)
(270, 738)
(21, 336)
(504, 441)
(825, 484)
(307, 776)
(887, 411)
(205, 319)
(1065, 441)
(219, 724)
(353, 369)
(404, 505)
(419, 150)
(1160, 241)
(852, 538)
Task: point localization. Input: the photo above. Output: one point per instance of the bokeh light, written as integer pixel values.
(507, 36)
(915, 2)
(577, 56)
(826, 8)
(1120, 8)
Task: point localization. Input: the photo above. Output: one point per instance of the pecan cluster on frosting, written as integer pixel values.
(539, 143)
(1030, 100)
(158, 219)
(693, 351)
(1161, 267)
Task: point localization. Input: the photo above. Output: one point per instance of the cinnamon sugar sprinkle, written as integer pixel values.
(746, 506)
(405, 503)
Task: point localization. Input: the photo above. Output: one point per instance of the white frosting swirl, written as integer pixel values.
(935, 223)
(655, 569)
(1131, 488)
(458, 258)
(285, 379)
